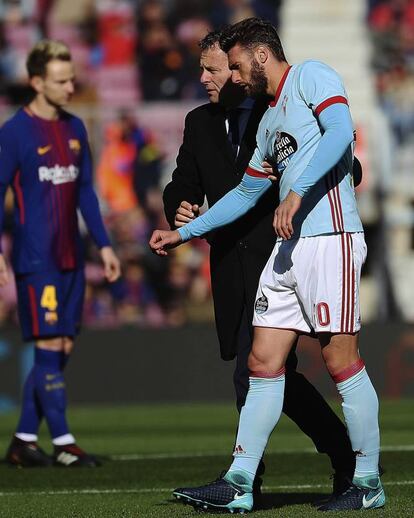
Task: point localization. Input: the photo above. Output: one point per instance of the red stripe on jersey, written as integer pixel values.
(57, 133)
(338, 208)
(19, 194)
(338, 99)
(331, 203)
(33, 307)
(341, 214)
(253, 172)
(280, 86)
(349, 371)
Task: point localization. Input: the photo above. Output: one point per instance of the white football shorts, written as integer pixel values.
(312, 284)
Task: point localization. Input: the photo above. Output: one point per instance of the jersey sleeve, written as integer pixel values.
(320, 86)
(9, 164)
(230, 207)
(337, 135)
(88, 201)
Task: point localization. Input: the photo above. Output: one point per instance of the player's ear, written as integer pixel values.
(262, 54)
(36, 82)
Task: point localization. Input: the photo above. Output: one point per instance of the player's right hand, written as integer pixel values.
(186, 213)
(161, 240)
(4, 273)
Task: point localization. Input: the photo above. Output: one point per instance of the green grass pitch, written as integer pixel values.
(149, 450)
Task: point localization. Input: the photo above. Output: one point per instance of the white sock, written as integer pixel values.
(63, 440)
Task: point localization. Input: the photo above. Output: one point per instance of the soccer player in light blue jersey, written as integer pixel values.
(311, 281)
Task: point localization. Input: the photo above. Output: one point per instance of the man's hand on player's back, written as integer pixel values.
(185, 213)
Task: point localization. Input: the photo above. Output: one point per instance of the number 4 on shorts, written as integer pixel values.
(48, 299)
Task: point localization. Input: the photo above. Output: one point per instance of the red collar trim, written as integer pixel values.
(280, 86)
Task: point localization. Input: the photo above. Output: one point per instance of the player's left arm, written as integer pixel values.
(230, 207)
(89, 207)
(324, 94)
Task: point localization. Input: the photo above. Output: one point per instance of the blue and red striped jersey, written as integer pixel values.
(48, 165)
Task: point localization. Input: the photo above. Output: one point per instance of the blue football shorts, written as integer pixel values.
(50, 303)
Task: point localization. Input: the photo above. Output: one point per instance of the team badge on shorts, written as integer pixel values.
(51, 318)
(261, 305)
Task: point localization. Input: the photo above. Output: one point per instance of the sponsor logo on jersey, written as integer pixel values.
(74, 145)
(42, 150)
(238, 449)
(261, 305)
(284, 147)
(58, 174)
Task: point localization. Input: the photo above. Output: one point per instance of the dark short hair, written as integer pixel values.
(210, 39)
(250, 33)
(43, 52)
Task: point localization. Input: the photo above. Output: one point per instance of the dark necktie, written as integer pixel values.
(234, 129)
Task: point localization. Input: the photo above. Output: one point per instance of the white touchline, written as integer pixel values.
(155, 456)
(93, 491)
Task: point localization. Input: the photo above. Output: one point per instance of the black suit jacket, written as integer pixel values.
(206, 168)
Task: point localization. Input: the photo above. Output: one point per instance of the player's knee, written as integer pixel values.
(340, 352)
(258, 363)
(50, 344)
(336, 362)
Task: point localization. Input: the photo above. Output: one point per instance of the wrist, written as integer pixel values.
(297, 192)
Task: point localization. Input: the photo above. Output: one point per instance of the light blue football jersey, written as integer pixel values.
(288, 136)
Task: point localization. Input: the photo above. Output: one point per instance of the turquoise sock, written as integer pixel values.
(360, 407)
(258, 417)
(370, 481)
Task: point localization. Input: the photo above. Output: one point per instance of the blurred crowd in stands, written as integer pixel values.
(145, 49)
(126, 53)
(132, 52)
(391, 25)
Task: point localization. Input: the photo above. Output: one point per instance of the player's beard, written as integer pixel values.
(258, 80)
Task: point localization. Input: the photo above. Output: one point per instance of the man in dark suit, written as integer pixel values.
(219, 140)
